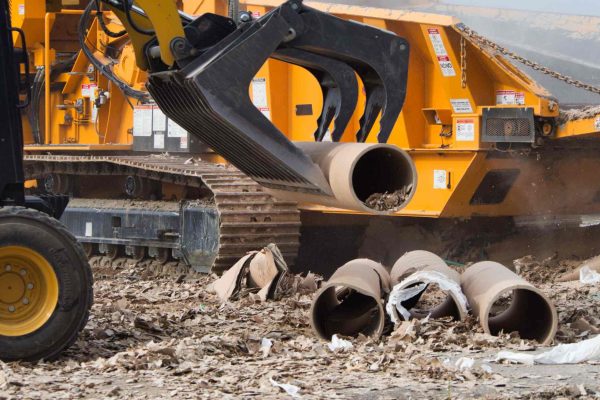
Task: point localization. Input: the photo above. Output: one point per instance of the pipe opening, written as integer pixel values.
(523, 311)
(383, 179)
(345, 311)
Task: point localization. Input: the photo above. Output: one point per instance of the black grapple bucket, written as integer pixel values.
(209, 96)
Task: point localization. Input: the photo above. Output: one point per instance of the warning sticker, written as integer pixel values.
(159, 120)
(597, 124)
(259, 93)
(89, 90)
(175, 130)
(159, 140)
(461, 106)
(440, 51)
(446, 66)
(21, 10)
(440, 179)
(509, 97)
(142, 121)
(183, 142)
(465, 130)
(266, 112)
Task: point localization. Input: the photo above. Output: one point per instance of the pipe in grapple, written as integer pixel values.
(356, 172)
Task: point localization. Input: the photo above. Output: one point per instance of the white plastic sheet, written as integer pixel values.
(464, 363)
(292, 390)
(587, 276)
(572, 353)
(265, 347)
(402, 292)
(338, 343)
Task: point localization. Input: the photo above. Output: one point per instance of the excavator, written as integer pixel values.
(218, 128)
(45, 278)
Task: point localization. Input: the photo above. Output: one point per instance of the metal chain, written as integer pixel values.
(463, 61)
(484, 42)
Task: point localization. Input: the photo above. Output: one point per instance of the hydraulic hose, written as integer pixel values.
(103, 68)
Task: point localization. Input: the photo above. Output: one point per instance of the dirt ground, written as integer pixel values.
(158, 333)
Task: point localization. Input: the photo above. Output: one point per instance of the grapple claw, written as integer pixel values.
(338, 84)
(209, 96)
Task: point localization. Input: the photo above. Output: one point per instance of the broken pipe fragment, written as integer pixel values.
(351, 302)
(258, 271)
(412, 275)
(529, 312)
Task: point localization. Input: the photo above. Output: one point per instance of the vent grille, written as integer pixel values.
(508, 125)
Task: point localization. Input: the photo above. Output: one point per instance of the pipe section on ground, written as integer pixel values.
(412, 276)
(352, 300)
(529, 312)
(357, 171)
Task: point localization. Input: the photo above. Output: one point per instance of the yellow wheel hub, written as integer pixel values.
(28, 291)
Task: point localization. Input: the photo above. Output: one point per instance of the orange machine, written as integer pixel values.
(483, 138)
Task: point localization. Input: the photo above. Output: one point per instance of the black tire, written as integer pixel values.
(49, 238)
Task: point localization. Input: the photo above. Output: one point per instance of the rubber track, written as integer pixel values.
(250, 218)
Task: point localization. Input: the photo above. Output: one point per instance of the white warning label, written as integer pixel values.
(259, 93)
(465, 130)
(440, 179)
(88, 90)
(159, 120)
(89, 229)
(142, 121)
(597, 124)
(159, 140)
(509, 97)
(440, 51)
(175, 130)
(266, 112)
(461, 106)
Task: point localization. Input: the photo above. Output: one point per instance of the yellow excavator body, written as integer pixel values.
(485, 138)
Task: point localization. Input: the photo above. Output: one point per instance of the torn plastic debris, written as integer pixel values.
(571, 353)
(530, 312)
(412, 275)
(265, 347)
(351, 302)
(339, 344)
(263, 274)
(593, 264)
(292, 390)
(588, 277)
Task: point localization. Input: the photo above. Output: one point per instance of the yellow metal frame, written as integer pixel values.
(29, 291)
(163, 17)
(464, 163)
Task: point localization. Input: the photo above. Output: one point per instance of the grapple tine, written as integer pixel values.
(209, 95)
(338, 84)
(379, 57)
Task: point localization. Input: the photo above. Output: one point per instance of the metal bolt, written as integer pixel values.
(11, 308)
(30, 286)
(25, 301)
(8, 267)
(23, 272)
